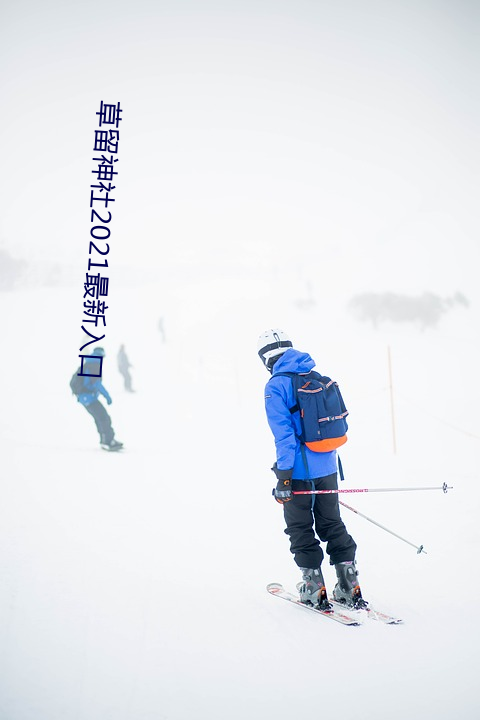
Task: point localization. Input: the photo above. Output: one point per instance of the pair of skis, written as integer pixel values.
(338, 613)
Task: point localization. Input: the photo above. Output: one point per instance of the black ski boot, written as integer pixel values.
(312, 589)
(347, 590)
(112, 446)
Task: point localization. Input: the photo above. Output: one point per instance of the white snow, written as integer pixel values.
(133, 584)
(275, 159)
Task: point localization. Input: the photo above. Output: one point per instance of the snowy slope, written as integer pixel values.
(133, 585)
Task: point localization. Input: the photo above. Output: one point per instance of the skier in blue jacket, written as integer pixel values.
(92, 388)
(308, 518)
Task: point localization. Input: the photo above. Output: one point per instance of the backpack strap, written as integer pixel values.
(293, 377)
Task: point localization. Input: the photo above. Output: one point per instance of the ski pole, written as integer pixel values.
(418, 548)
(443, 487)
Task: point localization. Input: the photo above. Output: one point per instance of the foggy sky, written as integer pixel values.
(348, 129)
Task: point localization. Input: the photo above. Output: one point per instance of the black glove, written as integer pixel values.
(282, 474)
(283, 492)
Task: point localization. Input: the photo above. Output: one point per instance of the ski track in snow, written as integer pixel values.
(116, 568)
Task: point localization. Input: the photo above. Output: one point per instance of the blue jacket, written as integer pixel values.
(93, 388)
(286, 428)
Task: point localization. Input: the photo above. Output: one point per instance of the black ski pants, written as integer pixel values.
(310, 517)
(102, 421)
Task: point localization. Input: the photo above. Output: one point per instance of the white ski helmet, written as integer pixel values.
(271, 344)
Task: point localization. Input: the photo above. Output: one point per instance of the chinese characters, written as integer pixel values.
(106, 142)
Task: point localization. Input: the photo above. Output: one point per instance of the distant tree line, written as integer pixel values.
(11, 270)
(426, 309)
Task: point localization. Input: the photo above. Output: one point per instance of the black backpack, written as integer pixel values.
(322, 411)
(77, 385)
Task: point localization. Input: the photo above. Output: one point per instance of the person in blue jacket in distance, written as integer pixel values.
(309, 518)
(92, 388)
